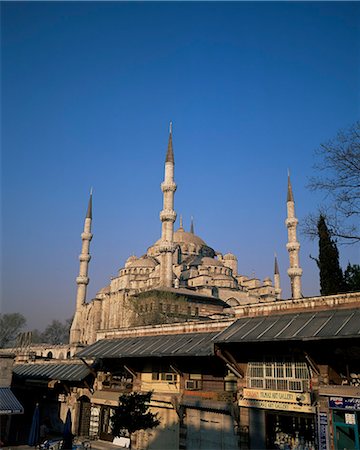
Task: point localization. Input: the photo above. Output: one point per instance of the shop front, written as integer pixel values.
(345, 414)
(279, 419)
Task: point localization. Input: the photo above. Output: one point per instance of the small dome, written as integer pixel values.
(230, 256)
(130, 259)
(143, 262)
(104, 290)
(207, 261)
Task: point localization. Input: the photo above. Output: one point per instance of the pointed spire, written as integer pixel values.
(192, 225)
(89, 210)
(170, 152)
(276, 268)
(181, 223)
(290, 196)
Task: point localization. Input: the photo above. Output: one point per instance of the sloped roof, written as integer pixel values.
(61, 372)
(186, 344)
(9, 404)
(300, 326)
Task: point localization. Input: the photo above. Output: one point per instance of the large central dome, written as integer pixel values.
(189, 243)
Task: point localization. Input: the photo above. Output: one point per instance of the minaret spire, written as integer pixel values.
(277, 279)
(82, 280)
(293, 245)
(192, 225)
(181, 227)
(170, 152)
(89, 210)
(168, 217)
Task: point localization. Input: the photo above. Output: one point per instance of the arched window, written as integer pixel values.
(49, 355)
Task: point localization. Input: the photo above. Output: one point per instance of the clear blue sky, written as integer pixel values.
(88, 90)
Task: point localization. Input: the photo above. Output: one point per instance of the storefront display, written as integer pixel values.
(290, 432)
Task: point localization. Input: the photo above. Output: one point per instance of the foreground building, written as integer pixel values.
(231, 364)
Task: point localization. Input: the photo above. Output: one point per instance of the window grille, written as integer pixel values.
(278, 376)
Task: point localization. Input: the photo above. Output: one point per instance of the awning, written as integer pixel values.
(9, 404)
(61, 372)
(302, 326)
(186, 344)
(105, 398)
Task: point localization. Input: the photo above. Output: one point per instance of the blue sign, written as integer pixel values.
(323, 431)
(344, 403)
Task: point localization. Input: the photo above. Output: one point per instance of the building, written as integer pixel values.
(179, 278)
(231, 364)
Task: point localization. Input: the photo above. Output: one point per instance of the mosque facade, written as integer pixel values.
(180, 278)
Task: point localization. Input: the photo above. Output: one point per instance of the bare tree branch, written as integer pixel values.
(338, 177)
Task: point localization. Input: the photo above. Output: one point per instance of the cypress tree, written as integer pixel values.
(331, 276)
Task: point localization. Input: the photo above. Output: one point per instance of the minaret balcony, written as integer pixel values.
(291, 222)
(86, 236)
(294, 272)
(167, 215)
(167, 186)
(292, 246)
(166, 246)
(82, 280)
(84, 257)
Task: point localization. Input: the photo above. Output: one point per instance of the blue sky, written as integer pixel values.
(88, 90)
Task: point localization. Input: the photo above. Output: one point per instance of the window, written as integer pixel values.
(164, 374)
(278, 376)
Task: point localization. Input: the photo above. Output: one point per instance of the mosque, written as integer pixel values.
(179, 279)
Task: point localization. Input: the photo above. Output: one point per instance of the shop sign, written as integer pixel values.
(344, 403)
(301, 398)
(279, 406)
(323, 431)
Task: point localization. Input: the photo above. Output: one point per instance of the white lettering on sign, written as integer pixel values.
(278, 406)
(302, 398)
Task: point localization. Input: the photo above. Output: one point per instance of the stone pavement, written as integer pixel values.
(95, 445)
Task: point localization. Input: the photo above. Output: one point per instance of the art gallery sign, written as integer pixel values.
(277, 400)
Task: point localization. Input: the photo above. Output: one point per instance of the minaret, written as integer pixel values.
(277, 279)
(82, 280)
(192, 225)
(293, 245)
(168, 217)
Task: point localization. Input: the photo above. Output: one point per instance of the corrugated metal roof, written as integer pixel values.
(61, 372)
(186, 344)
(296, 326)
(9, 404)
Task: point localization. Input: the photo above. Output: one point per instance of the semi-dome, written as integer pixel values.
(142, 262)
(230, 256)
(207, 261)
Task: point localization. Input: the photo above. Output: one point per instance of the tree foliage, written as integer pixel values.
(339, 179)
(10, 326)
(331, 276)
(56, 333)
(352, 278)
(133, 414)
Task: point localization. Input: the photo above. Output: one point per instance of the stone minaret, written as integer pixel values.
(168, 217)
(82, 280)
(277, 279)
(192, 225)
(293, 245)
